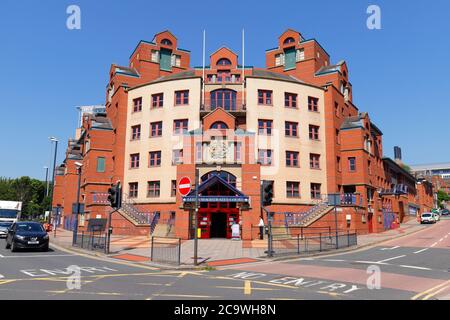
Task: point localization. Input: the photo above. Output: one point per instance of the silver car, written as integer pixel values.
(4, 226)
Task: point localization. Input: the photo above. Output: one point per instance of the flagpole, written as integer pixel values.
(243, 66)
(204, 45)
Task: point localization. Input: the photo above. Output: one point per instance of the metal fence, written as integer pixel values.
(166, 250)
(91, 241)
(309, 243)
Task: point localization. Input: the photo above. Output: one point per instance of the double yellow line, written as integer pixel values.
(427, 294)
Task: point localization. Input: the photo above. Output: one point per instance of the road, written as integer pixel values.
(412, 267)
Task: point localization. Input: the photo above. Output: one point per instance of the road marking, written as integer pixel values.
(393, 258)
(370, 262)
(333, 260)
(2, 256)
(434, 244)
(422, 250)
(435, 293)
(247, 287)
(415, 267)
(40, 256)
(423, 293)
(240, 288)
(183, 295)
(392, 248)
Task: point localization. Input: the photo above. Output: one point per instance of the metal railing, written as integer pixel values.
(91, 241)
(166, 250)
(129, 208)
(231, 105)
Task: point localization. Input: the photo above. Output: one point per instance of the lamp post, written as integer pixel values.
(46, 184)
(53, 139)
(75, 227)
(196, 218)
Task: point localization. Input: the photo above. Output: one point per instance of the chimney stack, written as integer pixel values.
(397, 154)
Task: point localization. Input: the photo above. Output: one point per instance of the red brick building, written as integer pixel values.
(292, 122)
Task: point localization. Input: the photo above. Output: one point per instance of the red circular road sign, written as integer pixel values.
(184, 186)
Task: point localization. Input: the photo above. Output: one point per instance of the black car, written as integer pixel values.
(27, 235)
(445, 212)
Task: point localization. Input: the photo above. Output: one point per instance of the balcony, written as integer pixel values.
(346, 199)
(398, 189)
(234, 105)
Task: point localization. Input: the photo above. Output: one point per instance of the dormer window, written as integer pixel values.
(279, 59)
(223, 62)
(289, 40)
(300, 55)
(166, 42)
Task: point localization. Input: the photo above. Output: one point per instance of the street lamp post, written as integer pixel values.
(46, 185)
(75, 227)
(53, 139)
(196, 218)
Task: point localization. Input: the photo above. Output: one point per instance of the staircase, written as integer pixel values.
(130, 212)
(305, 219)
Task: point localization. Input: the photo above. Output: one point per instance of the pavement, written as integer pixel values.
(413, 266)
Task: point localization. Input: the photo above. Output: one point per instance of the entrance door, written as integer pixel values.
(369, 221)
(218, 225)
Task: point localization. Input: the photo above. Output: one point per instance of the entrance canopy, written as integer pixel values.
(229, 194)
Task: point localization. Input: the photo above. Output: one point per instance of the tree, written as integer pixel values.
(442, 196)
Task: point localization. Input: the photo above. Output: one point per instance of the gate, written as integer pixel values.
(166, 250)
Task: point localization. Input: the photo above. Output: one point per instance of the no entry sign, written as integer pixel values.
(184, 186)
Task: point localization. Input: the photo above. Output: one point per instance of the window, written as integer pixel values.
(237, 151)
(300, 55)
(155, 56)
(338, 163)
(288, 40)
(223, 62)
(219, 125)
(180, 126)
(290, 100)
(157, 100)
(223, 98)
(133, 190)
(313, 132)
(137, 104)
(173, 188)
(156, 129)
(291, 129)
(315, 190)
(175, 60)
(154, 158)
(313, 104)
(279, 59)
(265, 127)
(166, 42)
(177, 156)
(265, 157)
(314, 161)
(101, 161)
(153, 189)
(338, 137)
(198, 152)
(134, 161)
(181, 97)
(292, 159)
(369, 166)
(336, 109)
(352, 164)
(293, 189)
(136, 132)
(265, 97)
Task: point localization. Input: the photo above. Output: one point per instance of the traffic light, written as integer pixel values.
(115, 196)
(267, 193)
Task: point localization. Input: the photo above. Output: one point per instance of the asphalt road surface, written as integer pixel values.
(412, 267)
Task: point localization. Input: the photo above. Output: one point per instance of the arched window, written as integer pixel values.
(166, 42)
(228, 177)
(288, 40)
(223, 62)
(219, 125)
(223, 98)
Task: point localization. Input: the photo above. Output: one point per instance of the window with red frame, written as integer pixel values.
(352, 164)
(154, 158)
(291, 129)
(292, 189)
(292, 159)
(313, 132)
(156, 129)
(265, 97)
(133, 190)
(219, 125)
(180, 126)
(290, 100)
(181, 97)
(153, 189)
(265, 127)
(177, 156)
(265, 157)
(313, 104)
(315, 190)
(157, 100)
(314, 161)
(134, 161)
(137, 105)
(173, 188)
(136, 132)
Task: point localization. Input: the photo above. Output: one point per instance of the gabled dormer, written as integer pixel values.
(224, 58)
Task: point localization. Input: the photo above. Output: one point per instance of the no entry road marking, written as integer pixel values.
(422, 250)
(392, 248)
(393, 258)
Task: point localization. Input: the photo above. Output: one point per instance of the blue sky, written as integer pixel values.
(399, 74)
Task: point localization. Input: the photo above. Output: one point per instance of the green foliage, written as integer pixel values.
(30, 191)
(406, 167)
(442, 196)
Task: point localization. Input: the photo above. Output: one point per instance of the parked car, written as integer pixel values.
(427, 217)
(4, 226)
(436, 216)
(445, 212)
(27, 235)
